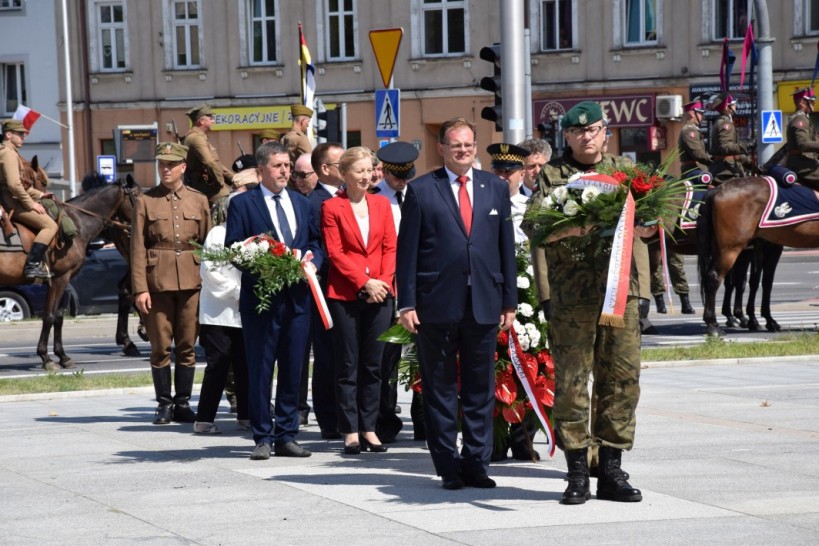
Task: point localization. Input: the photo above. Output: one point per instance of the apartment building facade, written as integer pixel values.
(143, 63)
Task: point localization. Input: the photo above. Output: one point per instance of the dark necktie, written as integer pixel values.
(464, 204)
(284, 226)
(399, 198)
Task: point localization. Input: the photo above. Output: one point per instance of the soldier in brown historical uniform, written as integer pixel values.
(803, 148)
(23, 203)
(295, 140)
(730, 155)
(206, 173)
(269, 135)
(166, 280)
(693, 155)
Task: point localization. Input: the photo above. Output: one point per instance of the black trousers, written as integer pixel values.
(389, 424)
(357, 325)
(324, 378)
(223, 345)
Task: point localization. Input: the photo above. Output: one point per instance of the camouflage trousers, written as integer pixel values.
(611, 356)
(676, 270)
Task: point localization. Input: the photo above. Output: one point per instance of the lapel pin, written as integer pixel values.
(482, 185)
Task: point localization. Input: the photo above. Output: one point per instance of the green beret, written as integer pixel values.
(171, 151)
(198, 111)
(300, 110)
(14, 125)
(582, 114)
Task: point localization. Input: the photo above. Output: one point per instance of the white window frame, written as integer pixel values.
(642, 41)
(801, 17)
(95, 47)
(11, 5)
(619, 24)
(21, 87)
(419, 8)
(340, 14)
(536, 6)
(170, 44)
(733, 34)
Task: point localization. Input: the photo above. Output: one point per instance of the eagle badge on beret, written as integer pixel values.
(582, 118)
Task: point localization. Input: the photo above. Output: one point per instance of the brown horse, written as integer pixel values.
(729, 220)
(92, 212)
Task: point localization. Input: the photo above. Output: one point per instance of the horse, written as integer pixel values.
(91, 212)
(729, 220)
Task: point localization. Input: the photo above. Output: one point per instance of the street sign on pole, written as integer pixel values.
(387, 106)
(771, 126)
(107, 167)
(385, 44)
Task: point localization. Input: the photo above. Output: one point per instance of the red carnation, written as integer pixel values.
(503, 338)
(278, 249)
(620, 176)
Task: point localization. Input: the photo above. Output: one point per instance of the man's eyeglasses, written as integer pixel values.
(458, 146)
(591, 131)
(299, 174)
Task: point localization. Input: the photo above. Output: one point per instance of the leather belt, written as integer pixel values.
(176, 247)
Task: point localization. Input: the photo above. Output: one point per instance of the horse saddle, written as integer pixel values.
(16, 237)
(789, 205)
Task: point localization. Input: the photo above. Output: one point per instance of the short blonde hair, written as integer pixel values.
(352, 155)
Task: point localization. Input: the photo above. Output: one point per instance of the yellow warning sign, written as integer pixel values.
(385, 44)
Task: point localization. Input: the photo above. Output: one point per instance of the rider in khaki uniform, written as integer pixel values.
(22, 202)
(166, 280)
(295, 140)
(205, 170)
(803, 148)
(580, 346)
(730, 155)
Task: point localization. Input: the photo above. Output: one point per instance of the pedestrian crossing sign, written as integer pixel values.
(387, 109)
(771, 126)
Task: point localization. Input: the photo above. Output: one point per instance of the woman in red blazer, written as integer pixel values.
(359, 235)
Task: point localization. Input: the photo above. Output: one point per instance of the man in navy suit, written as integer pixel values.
(278, 334)
(457, 282)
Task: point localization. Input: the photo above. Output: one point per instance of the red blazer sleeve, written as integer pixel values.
(348, 264)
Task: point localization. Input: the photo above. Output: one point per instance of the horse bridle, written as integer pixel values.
(109, 222)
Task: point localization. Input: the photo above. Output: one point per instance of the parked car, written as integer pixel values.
(22, 302)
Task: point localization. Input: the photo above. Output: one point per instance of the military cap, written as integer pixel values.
(804, 93)
(694, 106)
(398, 159)
(723, 101)
(243, 162)
(14, 125)
(270, 134)
(506, 157)
(171, 151)
(300, 110)
(582, 114)
(248, 176)
(198, 111)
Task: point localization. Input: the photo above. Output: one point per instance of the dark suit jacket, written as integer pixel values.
(352, 263)
(318, 196)
(435, 256)
(248, 215)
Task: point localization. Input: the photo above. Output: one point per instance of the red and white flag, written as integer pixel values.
(26, 115)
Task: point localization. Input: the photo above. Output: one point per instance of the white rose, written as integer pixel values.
(526, 310)
(524, 342)
(523, 283)
(530, 270)
(535, 337)
(541, 316)
(530, 328)
(589, 193)
(518, 326)
(548, 202)
(560, 194)
(571, 208)
(264, 246)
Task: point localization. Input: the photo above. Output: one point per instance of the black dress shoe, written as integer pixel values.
(261, 452)
(480, 481)
(352, 449)
(366, 445)
(452, 482)
(330, 435)
(303, 418)
(290, 449)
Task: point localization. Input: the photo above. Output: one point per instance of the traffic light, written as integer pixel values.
(328, 125)
(493, 85)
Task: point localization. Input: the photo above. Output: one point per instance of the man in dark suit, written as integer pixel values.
(324, 161)
(278, 334)
(456, 282)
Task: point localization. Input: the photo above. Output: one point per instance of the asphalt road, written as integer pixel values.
(89, 340)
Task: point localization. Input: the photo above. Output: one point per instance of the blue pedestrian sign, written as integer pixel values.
(387, 104)
(771, 129)
(107, 167)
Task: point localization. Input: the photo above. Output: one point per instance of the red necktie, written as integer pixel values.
(464, 204)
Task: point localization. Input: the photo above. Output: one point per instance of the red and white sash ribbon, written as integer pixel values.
(614, 304)
(516, 356)
(312, 280)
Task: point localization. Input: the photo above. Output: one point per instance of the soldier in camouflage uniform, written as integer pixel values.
(580, 347)
(803, 148)
(729, 154)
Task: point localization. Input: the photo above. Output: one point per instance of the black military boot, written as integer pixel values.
(162, 387)
(34, 264)
(686, 305)
(646, 327)
(183, 384)
(660, 301)
(578, 477)
(612, 484)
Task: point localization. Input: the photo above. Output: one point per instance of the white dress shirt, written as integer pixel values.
(518, 208)
(456, 186)
(385, 190)
(287, 205)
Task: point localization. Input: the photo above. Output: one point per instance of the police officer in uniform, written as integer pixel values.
(205, 170)
(22, 202)
(730, 159)
(166, 279)
(803, 148)
(580, 347)
(295, 140)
